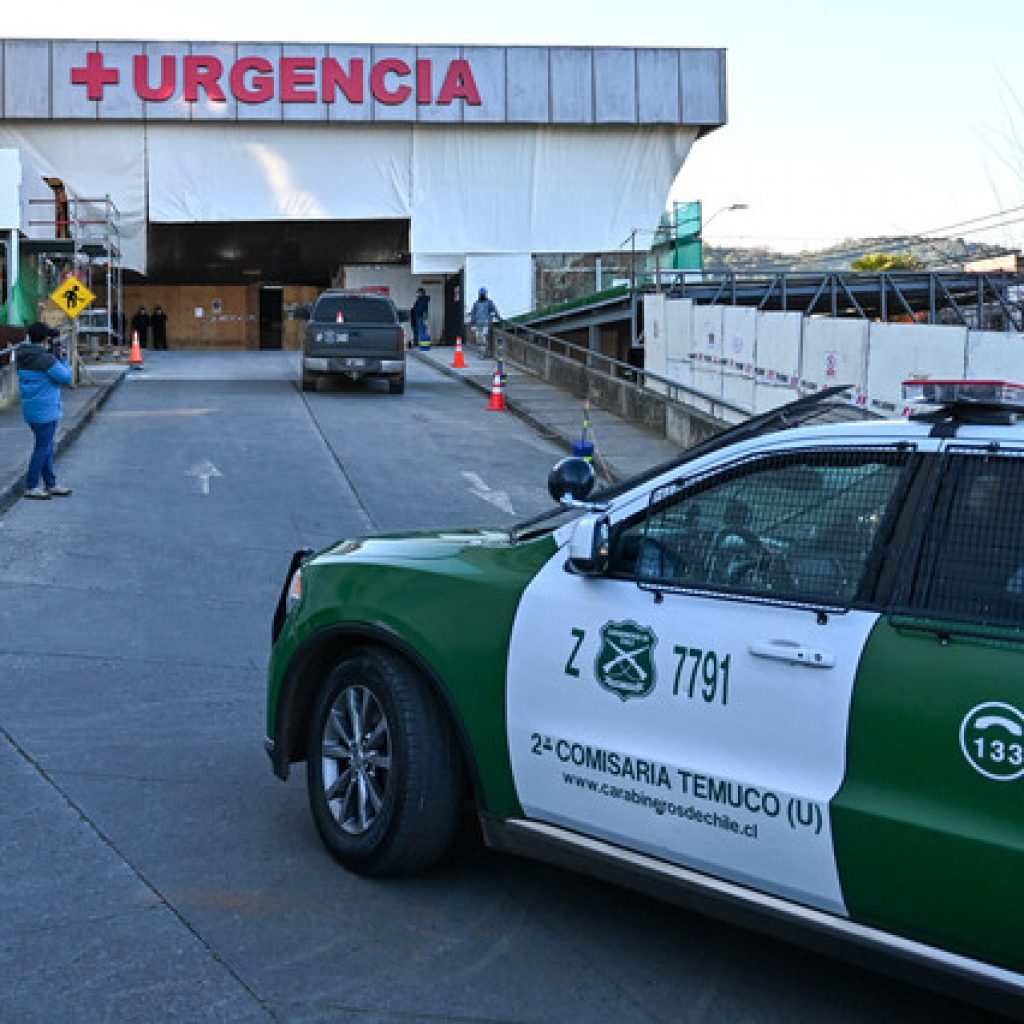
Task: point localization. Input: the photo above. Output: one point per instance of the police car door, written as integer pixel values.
(692, 702)
(928, 824)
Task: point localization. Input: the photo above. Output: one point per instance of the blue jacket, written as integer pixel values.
(40, 376)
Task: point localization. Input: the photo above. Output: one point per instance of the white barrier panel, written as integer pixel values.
(707, 352)
(679, 328)
(835, 352)
(655, 342)
(681, 371)
(739, 353)
(995, 355)
(777, 365)
(898, 352)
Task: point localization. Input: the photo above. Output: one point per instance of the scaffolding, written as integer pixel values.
(82, 238)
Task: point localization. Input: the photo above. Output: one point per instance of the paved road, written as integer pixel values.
(152, 867)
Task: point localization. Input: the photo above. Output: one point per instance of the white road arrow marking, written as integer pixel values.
(204, 470)
(499, 499)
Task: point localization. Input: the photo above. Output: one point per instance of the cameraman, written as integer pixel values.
(42, 371)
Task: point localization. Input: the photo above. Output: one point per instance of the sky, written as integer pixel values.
(845, 120)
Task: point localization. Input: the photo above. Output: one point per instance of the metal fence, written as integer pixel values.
(627, 390)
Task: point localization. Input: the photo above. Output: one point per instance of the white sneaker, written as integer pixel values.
(56, 491)
(39, 493)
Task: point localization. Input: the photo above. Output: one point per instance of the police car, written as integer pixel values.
(780, 679)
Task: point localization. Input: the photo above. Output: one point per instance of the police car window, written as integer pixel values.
(972, 565)
(791, 528)
(354, 309)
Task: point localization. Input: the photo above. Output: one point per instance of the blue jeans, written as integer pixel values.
(42, 456)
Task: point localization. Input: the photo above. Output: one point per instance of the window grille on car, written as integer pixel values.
(796, 528)
(972, 562)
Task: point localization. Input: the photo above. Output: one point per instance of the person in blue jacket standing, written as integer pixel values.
(41, 375)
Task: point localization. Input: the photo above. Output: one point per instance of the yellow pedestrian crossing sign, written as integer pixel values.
(72, 296)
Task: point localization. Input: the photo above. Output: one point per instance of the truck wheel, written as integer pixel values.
(397, 387)
(383, 769)
(308, 382)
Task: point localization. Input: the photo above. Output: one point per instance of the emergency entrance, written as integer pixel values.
(245, 173)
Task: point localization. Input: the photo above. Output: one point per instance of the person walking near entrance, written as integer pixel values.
(140, 323)
(41, 375)
(482, 316)
(158, 321)
(419, 316)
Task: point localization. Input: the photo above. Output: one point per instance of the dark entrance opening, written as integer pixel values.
(452, 308)
(271, 315)
(287, 252)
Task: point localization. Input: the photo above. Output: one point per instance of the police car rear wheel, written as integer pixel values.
(383, 770)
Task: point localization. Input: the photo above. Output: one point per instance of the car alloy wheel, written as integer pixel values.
(355, 759)
(384, 770)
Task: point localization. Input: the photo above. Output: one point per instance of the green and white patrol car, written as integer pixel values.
(780, 680)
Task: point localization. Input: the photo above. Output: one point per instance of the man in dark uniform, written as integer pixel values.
(159, 323)
(140, 325)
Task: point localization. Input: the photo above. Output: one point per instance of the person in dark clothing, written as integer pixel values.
(140, 324)
(158, 321)
(482, 316)
(419, 316)
(41, 375)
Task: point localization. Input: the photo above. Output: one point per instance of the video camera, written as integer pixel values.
(54, 345)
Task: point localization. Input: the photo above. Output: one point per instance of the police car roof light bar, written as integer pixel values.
(992, 394)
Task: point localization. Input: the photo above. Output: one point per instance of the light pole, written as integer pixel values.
(724, 209)
(718, 212)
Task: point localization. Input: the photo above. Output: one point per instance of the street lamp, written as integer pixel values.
(704, 226)
(724, 209)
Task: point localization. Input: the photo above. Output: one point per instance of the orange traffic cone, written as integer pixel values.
(497, 403)
(135, 356)
(459, 362)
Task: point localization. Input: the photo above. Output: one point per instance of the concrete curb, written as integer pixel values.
(12, 488)
(546, 430)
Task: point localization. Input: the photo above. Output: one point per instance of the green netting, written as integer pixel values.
(677, 242)
(29, 291)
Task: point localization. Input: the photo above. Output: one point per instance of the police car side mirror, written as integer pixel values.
(303, 313)
(571, 480)
(589, 546)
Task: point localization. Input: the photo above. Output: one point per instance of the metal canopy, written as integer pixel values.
(938, 296)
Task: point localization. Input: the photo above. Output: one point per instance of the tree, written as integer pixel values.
(881, 262)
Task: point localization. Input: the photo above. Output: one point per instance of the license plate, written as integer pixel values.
(354, 363)
(340, 336)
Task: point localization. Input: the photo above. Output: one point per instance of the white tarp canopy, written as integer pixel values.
(465, 189)
(93, 163)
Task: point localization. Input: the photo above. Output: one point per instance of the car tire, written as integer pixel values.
(397, 387)
(381, 744)
(308, 382)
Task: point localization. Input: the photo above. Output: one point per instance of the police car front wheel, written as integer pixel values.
(383, 770)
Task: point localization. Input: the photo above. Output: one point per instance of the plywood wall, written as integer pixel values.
(193, 320)
(237, 325)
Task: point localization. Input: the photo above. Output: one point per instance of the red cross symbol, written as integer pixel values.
(94, 75)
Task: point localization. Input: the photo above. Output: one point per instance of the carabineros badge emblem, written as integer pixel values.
(625, 661)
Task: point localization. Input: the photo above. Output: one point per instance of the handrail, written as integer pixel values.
(674, 390)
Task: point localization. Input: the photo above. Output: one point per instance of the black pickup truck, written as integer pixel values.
(354, 335)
